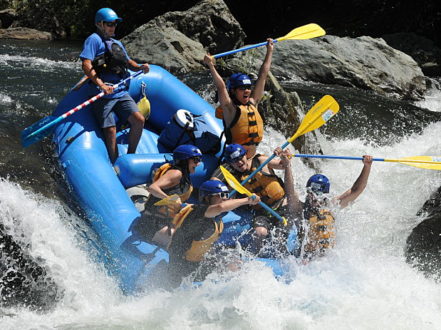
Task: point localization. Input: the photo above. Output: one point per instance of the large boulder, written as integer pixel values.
(362, 62)
(179, 40)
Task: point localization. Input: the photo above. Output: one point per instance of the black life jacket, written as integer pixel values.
(113, 60)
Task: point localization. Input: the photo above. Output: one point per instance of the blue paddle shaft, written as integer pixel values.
(242, 49)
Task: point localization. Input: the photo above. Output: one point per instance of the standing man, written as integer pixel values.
(105, 62)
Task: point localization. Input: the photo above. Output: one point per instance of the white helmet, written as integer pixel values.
(185, 119)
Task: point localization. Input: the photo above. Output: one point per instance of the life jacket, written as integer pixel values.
(183, 189)
(201, 135)
(246, 127)
(268, 186)
(113, 60)
(321, 232)
(198, 248)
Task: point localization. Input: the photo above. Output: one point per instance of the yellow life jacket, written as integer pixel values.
(169, 211)
(246, 127)
(198, 248)
(321, 232)
(268, 186)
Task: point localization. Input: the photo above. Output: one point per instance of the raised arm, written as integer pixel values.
(259, 88)
(359, 185)
(224, 97)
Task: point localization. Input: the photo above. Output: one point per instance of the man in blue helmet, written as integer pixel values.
(317, 232)
(274, 192)
(243, 123)
(105, 62)
(197, 228)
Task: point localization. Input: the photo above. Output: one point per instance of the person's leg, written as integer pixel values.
(110, 139)
(136, 121)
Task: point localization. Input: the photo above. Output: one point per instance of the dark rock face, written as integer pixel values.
(423, 51)
(176, 40)
(23, 281)
(423, 248)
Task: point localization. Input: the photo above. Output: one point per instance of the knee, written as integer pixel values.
(137, 119)
(261, 232)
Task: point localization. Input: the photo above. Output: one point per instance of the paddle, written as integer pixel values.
(426, 162)
(45, 126)
(308, 31)
(317, 116)
(233, 183)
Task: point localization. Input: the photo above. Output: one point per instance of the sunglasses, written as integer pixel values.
(196, 159)
(111, 24)
(222, 195)
(244, 87)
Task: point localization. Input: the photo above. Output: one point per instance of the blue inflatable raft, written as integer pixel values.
(101, 189)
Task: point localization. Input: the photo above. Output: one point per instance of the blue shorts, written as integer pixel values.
(104, 110)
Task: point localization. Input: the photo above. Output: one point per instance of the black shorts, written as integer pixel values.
(146, 226)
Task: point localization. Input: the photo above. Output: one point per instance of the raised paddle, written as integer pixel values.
(426, 162)
(233, 183)
(317, 116)
(45, 126)
(308, 31)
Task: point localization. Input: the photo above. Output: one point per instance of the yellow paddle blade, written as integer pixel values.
(233, 183)
(307, 31)
(172, 199)
(426, 162)
(317, 116)
(144, 107)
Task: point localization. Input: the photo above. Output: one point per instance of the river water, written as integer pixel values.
(363, 283)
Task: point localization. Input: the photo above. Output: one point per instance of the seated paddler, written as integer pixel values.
(197, 228)
(171, 185)
(269, 187)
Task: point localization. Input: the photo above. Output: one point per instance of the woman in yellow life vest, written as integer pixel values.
(269, 187)
(317, 232)
(243, 123)
(170, 179)
(198, 227)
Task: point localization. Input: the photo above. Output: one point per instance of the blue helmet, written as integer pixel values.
(318, 183)
(186, 151)
(237, 80)
(106, 15)
(212, 187)
(233, 152)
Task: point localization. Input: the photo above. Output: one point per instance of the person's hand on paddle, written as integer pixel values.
(285, 156)
(253, 199)
(107, 89)
(209, 60)
(367, 160)
(269, 45)
(145, 67)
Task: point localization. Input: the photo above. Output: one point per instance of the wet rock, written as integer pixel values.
(423, 246)
(23, 33)
(362, 62)
(23, 280)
